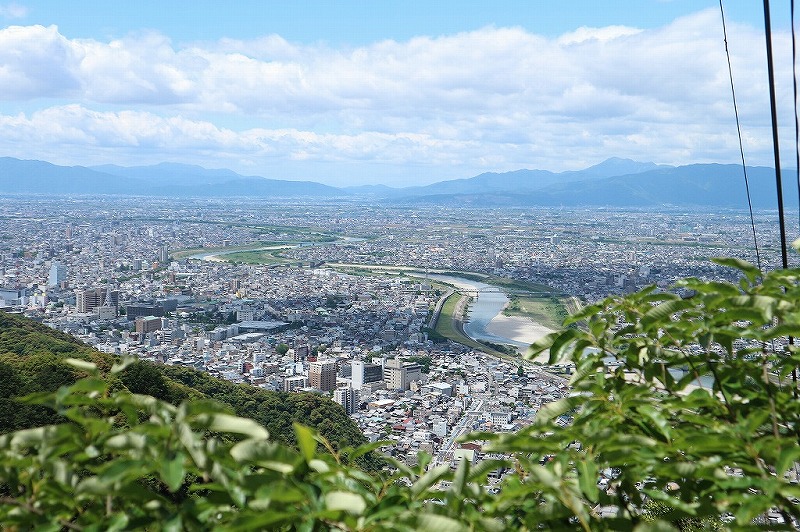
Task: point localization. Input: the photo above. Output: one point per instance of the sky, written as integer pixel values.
(392, 92)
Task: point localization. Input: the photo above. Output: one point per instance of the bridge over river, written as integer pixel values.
(492, 289)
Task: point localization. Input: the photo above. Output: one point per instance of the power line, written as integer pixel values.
(796, 123)
(775, 148)
(739, 132)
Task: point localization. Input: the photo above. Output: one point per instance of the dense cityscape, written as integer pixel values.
(285, 296)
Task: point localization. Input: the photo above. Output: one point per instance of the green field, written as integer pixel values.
(549, 311)
(445, 325)
(255, 257)
(520, 286)
(183, 253)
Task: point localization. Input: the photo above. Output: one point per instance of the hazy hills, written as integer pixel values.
(166, 179)
(614, 182)
(170, 179)
(710, 185)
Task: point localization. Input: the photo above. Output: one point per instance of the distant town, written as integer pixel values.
(364, 303)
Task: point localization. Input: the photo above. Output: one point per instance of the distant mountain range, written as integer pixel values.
(614, 182)
(165, 179)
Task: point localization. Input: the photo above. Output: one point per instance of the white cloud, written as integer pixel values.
(608, 33)
(489, 99)
(38, 62)
(13, 11)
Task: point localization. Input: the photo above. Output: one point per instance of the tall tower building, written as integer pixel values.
(348, 398)
(58, 273)
(322, 375)
(364, 373)
(399, 375)
(89, 299)
(148, 324)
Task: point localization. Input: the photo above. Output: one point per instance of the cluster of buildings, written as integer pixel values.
(587, 253)
(110, 272)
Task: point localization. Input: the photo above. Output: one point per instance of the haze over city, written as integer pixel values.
(399, 93)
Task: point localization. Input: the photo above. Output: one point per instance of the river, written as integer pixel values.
(485, 319)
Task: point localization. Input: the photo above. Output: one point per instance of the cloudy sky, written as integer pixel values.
(394, 92)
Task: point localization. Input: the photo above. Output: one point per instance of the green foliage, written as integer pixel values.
(500, 348)
(722, 454)
(423, 361)
(35, 364)
(126, 461)
(434, 336)
(277, 412)
(24, 337)
(146, 379)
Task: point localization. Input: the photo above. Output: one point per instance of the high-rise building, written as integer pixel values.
(245, 314)
(163, 253)
(58, 273)
(348, 398)
(13, 296)
(297, 382)
(86, 300)
(364, 373)
(138, 310)
(322, 375)
(399, 375)
(148, 324)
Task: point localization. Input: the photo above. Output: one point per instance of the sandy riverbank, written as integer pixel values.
(519, 329)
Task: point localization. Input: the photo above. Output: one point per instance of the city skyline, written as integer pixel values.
(400, 94)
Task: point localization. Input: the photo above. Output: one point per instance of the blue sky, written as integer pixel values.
(343, 23)
(388, 92)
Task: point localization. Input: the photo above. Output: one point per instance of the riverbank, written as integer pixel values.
(521, 330)
(451, 323)
(549, 311)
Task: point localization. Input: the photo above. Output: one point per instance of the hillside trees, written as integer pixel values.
(128, 461)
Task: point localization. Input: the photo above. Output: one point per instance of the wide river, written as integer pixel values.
(485, 319)
(482, 310)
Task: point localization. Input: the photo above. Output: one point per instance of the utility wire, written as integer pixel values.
(739, 132)
(796, 155)
(777, 154)
(775, 148)
(796, 123)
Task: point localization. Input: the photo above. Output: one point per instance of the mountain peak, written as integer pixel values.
(615, 166)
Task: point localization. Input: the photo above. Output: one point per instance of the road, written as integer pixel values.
(463, 426)
(438, 310)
